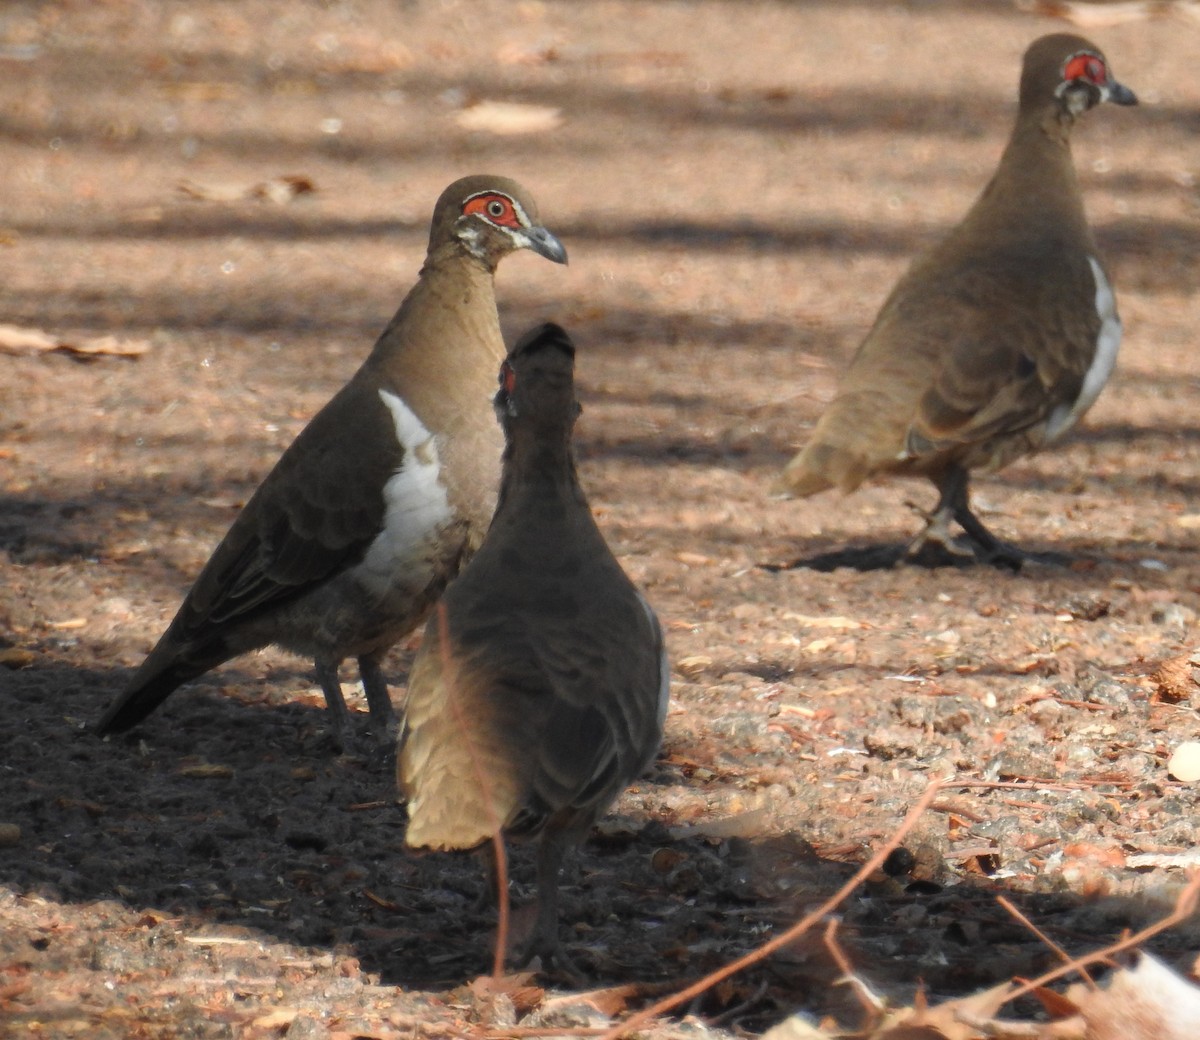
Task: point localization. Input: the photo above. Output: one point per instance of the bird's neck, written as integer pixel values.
(1034, 190)
(440, 354)
(537, 469)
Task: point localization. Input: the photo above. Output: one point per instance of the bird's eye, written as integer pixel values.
(1086, 67)
(508, 378)
(494, 207)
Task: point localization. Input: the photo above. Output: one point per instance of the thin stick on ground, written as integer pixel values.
(793, 933)
(485, 792)
(870, 1003)
(1063, 955)
(1185, 907)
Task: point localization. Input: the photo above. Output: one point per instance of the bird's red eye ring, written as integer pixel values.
(508, 378)
(493, 207)
(1086, 67)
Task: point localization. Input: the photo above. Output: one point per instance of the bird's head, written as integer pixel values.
(1072, 72)
(537, 381)
(490, 217)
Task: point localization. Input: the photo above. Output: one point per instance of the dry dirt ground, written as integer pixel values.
(738, 184)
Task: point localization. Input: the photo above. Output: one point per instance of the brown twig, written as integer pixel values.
(958, 810)
(1185, 906)
(1038, 785)
(449, 670)
(793, 933)
(1063, 955)
(866, 998)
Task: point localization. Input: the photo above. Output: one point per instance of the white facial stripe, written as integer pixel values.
(518, 209)
(1107, 343)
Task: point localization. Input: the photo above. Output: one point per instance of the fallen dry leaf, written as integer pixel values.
(952, 1020)
(1146, 1002)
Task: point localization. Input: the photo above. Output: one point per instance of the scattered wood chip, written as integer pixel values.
(806, 621)
(206, 771)
(518, 988)
(740, 825)
(14, 657)
(508, 118)
(690, 667)
(220, 940)
(1092, 15)
(386, 904)
(610, 1001)
(1177, 678)
(1189, 860)
(18, 341)
(276, 1019)
(280, 190)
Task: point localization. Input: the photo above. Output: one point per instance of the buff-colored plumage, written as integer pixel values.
(995, 342)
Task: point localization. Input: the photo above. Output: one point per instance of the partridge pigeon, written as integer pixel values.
(994, 343)
(374, 507)
(540, 689)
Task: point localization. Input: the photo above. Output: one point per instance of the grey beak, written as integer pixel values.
(545, 244)
(1119, 94)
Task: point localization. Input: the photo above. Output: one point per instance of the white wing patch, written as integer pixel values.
(1107, 343)
(664, 670)
(416, 502)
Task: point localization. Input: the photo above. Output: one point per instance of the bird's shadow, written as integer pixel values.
(931, 556)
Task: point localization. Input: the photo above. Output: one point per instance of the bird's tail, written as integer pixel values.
(166, 669)
(848, 444)
(821, 465)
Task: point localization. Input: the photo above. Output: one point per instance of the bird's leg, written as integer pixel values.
(489, 896)
(934, 535)
(379, 700)
(327, 676)
(936, 546)
(543, 940)
(985, 546)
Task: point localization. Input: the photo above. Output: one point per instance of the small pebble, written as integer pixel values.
(1184, 764)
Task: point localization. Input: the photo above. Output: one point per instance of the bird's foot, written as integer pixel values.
(544, 954)
(935, 546)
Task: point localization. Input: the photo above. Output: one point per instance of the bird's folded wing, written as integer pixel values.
(1004, 375)
(316, 513)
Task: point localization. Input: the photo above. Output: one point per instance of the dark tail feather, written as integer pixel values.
(152, 684)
